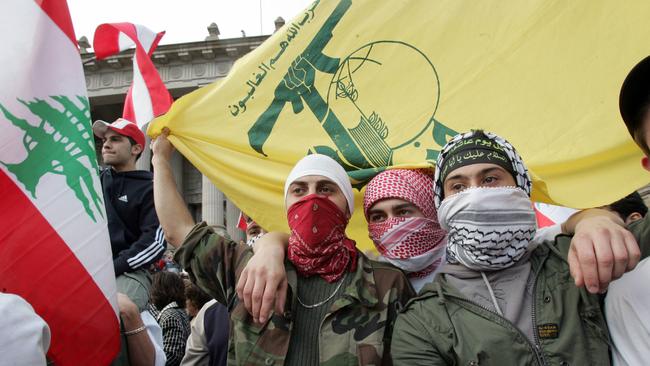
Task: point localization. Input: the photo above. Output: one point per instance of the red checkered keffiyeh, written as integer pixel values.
(418, 240)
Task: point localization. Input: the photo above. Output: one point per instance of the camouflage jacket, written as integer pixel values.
(356, 330)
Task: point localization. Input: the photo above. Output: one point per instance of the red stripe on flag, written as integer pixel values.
(542, 220)
(242, 225)
(38, 265)
(58, 11)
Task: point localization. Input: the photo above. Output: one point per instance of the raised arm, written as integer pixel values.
(173, 214)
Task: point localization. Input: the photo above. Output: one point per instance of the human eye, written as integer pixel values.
(457, 187)
(326, 189)
(254, 232)
(376, 217)
(297, 190)
(491, 179)
(404, 212)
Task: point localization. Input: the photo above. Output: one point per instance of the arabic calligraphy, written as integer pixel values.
(291, 33)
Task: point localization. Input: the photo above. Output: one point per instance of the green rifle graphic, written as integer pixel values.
(364, 149)
(56, 145)
(297, 87)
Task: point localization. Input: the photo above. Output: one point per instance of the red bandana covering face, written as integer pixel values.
(415, 244)
(318, 245)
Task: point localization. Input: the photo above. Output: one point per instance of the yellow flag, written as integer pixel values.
(380, 84)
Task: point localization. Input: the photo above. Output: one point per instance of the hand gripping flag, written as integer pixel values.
(54, 244)
(147, 97)
(377, 85)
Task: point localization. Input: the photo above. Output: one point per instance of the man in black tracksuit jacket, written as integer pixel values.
(137, 240)
(136, 236)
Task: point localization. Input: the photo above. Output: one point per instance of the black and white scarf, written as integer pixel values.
(488, 228)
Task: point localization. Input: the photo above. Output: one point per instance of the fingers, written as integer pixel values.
(605, 261)
(632, 247)
(256, 297)
(621, 257)
(586, 256)
(247, 293)
(268, 299)
(574, 267)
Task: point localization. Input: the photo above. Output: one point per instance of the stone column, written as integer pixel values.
(211, 203)
(144, 163)
(232, 219)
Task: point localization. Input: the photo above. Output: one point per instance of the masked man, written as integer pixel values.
(340, 305)
(403, 224)
(496, 301)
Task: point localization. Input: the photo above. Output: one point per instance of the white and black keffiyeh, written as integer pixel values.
(481, 141)
(488, 228)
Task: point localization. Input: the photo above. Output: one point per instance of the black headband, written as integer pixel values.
(476, 150)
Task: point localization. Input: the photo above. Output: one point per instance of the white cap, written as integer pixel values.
(325, 166)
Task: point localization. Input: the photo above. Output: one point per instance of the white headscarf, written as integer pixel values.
(317, 164)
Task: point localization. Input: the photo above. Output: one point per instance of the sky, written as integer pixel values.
(185, 21)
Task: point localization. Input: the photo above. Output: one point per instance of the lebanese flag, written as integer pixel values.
(54, 244)
(147, 97)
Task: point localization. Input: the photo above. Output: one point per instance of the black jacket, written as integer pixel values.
(137, 239)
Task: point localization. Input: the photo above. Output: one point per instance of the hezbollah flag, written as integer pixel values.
(54, 245)
(383, 84)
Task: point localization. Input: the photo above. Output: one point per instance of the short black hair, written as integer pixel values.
(167, 287)
(630, 204)
(133, 142)
(634, 102)
(194, 294)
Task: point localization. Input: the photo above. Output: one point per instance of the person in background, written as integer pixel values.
(167, 306)
(626, 304)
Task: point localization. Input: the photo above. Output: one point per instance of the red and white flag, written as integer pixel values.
(54, 244)
(147, 97)
(549, 215)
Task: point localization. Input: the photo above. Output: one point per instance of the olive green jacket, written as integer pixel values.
(442, 327)
(356, 330)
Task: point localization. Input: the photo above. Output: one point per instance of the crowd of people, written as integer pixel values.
(464, 275)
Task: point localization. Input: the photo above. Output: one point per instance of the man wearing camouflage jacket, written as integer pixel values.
(340, 306)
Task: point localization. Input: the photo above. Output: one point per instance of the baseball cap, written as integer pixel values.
(635, 93)
(121, 126)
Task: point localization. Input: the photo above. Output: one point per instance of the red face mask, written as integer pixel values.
(318, 245)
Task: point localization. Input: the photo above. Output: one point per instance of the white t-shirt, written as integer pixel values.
(24, 336)
(627, 308)
(155, 334)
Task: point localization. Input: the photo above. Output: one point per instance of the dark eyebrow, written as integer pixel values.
(490, 170)
(401, 206)
(326, 181)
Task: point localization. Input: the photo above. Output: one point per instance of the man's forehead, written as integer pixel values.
(110, 133)
(312, 179)
(473, 169)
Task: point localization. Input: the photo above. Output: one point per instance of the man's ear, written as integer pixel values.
(136, 149)
(645, 163)
(634, 216)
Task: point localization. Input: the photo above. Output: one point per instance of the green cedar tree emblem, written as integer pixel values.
(57, 145)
